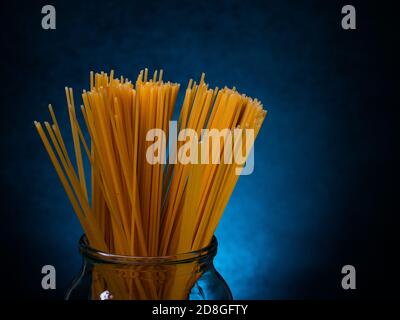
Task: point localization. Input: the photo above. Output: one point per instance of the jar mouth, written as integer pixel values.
(87, 251)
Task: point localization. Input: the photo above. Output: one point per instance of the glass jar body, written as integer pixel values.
(112, 277)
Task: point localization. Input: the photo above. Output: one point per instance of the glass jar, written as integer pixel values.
(184, 276)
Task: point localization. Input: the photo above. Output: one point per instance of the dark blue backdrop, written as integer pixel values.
(313, 201)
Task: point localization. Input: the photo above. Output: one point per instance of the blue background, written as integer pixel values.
(314, 201)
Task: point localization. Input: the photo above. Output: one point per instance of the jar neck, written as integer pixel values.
(204, 255)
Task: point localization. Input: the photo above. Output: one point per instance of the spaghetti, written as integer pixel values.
(137, 208)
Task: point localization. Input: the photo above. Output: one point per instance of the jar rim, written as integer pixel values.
(207, 252)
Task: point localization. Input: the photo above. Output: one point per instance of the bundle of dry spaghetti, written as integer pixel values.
(138, 208)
